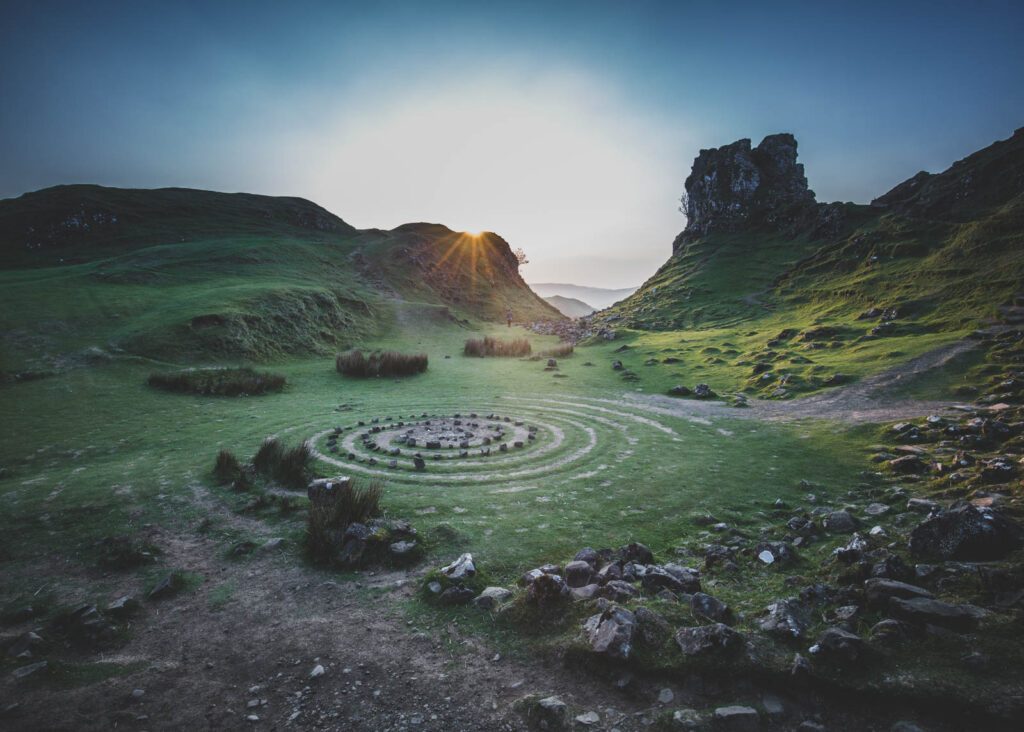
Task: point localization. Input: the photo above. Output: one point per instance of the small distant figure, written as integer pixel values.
(508, 316)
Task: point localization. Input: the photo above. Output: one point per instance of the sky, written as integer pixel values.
(566, 127)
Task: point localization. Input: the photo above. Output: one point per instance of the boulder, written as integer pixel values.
(706, 607)
(550, 713)
(462, 568)
(578, 573)
(610, 633)
(785, 619)
(587, 592)
(838, 646)
(710, 641)
(736, 719)
(636, 553)
(770, 552)
(840, 522)
(456, 595)
(927, 611)
(547, 591)
(491, 598)
(653, 629)
(618, 591)
(880, 591)
(966, 532)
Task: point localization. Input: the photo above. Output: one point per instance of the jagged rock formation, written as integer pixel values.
(736, 187)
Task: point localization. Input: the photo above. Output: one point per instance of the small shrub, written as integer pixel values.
(487, 346)
(563, 350)
(218, 382)
(226, 469)
(331, 512)
(380, 363)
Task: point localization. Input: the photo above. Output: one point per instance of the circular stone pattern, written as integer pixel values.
(512, 443)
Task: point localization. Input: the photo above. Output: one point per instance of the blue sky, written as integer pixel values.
(566, 127)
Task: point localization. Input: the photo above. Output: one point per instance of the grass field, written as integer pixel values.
(95, 452)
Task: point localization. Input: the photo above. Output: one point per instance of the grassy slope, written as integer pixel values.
(718, 301)
(192, 275)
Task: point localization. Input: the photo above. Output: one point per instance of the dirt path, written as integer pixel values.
(862, 401)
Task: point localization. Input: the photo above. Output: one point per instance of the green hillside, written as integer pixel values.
(922, 266)
(182, 275)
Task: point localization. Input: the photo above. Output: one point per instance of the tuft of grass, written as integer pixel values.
(268, 457)
(289, 466)
(563, 350)
(218, 382)
(488, 346)
(380, 363)
(332, 511)
(226, 469)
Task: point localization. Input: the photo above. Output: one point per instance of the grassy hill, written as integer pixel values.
(923, 265)
(569, 306)
(183, 275)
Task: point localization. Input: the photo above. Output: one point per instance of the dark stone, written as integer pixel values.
(610, 633)
(786, 619)
(841, 522)
(635, 552)
(880, 591)
(710, 608)
(927, 611)
(547, 591)
(967, 533)
(588, 555)
(718, 640)
(653, 628)
(891, 632)
(908, 465)
(839, 646)
(618, 591)
(578, 573)
(457, 595)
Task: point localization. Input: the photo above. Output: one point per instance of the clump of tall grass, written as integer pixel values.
(563, 350)
(380, 363)
(218, 382)
(334, 510)
(288, 466)
(227, 468)
(487, 346)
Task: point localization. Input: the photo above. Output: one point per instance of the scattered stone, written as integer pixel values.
(840, 522)
(786, 619)
(880, 591)
(547, 591)
(611, 632)
(23, 672)
(923, 610)
(838, 646)
(587, 719)
(688, 719)
(710, 608)
(550, 713)
(491, 598)
(737, 718)
(457, 595)
(709, 640)
(966, 532)
(461, 568)
(578, 573)
(317, 671)
(123, 607)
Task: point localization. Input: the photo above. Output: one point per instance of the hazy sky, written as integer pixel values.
(566, 127)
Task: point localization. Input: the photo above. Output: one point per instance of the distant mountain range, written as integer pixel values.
(570, 306)
(598, 297)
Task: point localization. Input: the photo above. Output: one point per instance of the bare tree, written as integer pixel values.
(684, 203)
(521, 256)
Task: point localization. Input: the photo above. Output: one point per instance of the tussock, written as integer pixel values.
(487, 346)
